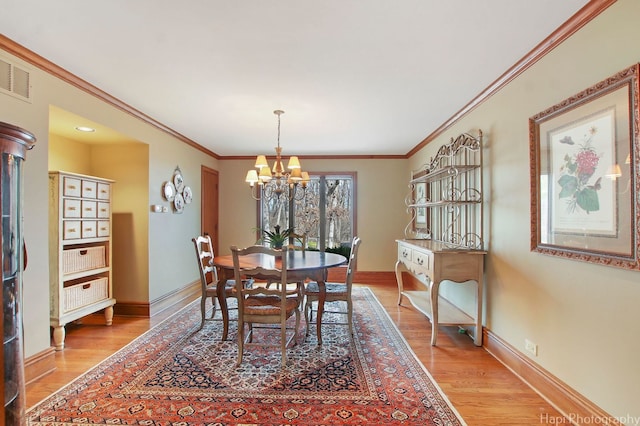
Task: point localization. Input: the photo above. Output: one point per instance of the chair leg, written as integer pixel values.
(308, 312)
(240, 341)
(283, 342)
(213, 304)
(203, 310)
(225, 318)
(350, 315)
(295, 331)
(250, 332)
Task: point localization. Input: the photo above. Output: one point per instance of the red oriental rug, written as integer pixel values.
(179, 376)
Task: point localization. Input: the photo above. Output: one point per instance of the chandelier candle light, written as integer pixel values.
(277, 182)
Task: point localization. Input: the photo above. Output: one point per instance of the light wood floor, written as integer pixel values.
(483, 391)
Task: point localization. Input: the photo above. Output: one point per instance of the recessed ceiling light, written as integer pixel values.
(85, 129)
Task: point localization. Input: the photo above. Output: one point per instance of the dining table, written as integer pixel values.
(302, 265)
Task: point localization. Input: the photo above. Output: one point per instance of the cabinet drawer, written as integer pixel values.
(404, 253)
(421, 259)
(104, 209)
(83, 259)
(89, 209)
(72, 187)
(71, 208)
(104, 228)
(71, 229)
(89, 229)
(86, 293)
(89, 189)
(104, 191)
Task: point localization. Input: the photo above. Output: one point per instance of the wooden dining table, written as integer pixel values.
(301, 265)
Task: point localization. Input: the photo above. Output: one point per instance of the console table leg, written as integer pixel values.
(399, 267)
(434, 289)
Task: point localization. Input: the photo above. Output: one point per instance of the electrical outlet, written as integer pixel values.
(531, 347)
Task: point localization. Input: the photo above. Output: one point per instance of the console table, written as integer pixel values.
(437, 262)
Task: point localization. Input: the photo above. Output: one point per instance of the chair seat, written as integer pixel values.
(229, 287)
(335, 289)
(268, 305)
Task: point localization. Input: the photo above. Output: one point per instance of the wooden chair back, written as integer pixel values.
(261, 304)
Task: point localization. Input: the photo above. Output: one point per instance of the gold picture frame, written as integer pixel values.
(583, 154)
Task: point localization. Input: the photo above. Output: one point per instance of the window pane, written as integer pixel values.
(307, 213)
(275, 211)
(339, 211)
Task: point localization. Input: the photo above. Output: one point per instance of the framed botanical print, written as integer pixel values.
(583, 174)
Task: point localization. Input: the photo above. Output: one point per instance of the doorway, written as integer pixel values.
(209, 208)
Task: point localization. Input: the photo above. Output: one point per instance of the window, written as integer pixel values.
(324, 211)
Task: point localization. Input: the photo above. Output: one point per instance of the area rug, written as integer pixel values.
(178, 375)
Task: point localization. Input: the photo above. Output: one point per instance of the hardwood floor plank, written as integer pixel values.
(482, 390)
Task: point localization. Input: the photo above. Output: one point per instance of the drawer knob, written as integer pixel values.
(83, 252)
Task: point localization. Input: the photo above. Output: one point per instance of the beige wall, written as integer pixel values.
(128, 165)
(69, 156)
(578, 313)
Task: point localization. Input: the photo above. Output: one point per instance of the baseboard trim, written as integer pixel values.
(177, 297)
(570, 403)
(187, 293)
(39, 365)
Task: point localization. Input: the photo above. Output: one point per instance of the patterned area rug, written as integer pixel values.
(176, 375)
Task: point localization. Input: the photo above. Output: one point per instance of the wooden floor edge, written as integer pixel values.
(39, 365)
(572, 404)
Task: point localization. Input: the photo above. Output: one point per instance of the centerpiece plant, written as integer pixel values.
(276, 238)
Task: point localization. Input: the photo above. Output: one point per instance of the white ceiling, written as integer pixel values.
(353, 76)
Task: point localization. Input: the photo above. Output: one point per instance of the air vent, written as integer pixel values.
(14, 80)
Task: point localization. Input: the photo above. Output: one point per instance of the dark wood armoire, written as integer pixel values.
(14, 143)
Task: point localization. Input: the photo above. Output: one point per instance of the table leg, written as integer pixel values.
(222, 300)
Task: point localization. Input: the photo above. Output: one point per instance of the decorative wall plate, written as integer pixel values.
(178, 181)
(187, 194)
(178, 203)
(168, 191)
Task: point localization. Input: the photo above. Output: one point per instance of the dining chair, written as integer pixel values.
(209, 283)
(296, 242)
(335, 292)
(262, 305)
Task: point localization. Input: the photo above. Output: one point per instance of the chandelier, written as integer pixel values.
(277, 182)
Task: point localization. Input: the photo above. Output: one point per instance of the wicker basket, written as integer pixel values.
(86, 293)
(83, 259)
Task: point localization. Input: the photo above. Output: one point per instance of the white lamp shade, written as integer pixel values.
(296, 175)
(261, 161)
(294, 163)
(265, 174)
(252, 177)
